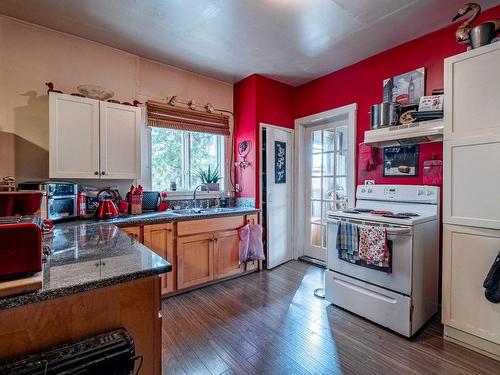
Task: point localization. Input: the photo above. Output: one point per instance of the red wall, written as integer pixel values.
(361, 83)
(259, 99)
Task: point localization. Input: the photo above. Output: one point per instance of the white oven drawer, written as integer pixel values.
(398, 280)
(389, 309)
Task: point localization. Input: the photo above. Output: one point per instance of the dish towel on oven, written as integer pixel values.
(347, 241)
(373, 245)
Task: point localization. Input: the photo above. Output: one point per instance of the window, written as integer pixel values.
(177, 156)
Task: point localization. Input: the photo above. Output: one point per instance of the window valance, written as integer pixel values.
(166, 116)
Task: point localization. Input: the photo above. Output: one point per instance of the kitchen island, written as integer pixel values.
(99, 277)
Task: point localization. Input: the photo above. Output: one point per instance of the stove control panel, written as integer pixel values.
(399, 193)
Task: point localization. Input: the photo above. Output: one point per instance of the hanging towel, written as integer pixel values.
(251, 247)
(367, 161)
(373, 247)
(347, 241)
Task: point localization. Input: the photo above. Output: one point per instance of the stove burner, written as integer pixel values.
(396, 216)
(380, 212)
(408, 214)
(363, 209)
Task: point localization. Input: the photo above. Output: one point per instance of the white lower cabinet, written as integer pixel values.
(468, 254)
(93, 139)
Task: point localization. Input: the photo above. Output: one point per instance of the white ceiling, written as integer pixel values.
(290, 40)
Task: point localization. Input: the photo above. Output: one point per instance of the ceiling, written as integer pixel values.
(293, 41)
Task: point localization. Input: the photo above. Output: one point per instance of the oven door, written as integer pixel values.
(399, 237)
(61, 207)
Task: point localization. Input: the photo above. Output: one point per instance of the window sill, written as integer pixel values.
(186, 194)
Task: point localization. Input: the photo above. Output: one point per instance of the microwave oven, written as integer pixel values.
(59, 201)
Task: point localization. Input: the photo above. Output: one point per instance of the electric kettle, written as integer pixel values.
(107, 207)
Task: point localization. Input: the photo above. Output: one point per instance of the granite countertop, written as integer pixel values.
(171, 216)
(88, 254)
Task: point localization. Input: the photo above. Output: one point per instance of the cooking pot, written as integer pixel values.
(384, 114)
(107, 207)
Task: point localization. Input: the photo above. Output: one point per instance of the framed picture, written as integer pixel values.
(405, 88)
(279, 162)
(401, 161)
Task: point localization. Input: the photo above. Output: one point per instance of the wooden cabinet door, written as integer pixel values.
(120, 141)
(134, 232)
(195, 260)
(160, 239)
(227, 254)
(468, 254)
(73, 137)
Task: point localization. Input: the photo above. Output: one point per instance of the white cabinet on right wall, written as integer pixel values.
(93, 139)
(471, 197)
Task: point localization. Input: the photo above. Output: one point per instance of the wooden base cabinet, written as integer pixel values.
(200, 251)
(195, 260)
(227, 254)
(160, 239)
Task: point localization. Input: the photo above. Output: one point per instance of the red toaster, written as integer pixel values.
(20, 246)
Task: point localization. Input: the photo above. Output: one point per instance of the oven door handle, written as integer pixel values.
(398, 232)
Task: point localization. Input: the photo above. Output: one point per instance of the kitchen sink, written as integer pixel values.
(201, 211)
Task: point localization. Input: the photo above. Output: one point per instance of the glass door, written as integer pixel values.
(326, 184)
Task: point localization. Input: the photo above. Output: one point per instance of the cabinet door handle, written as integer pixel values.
(103, 173)
(96, 173)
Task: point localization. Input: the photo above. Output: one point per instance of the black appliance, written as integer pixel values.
(110, 353)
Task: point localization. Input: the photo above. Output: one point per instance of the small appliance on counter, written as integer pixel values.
(61, 199)
(107, 208)
(21, 249)
(16, 203)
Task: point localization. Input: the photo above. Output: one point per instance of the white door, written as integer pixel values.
(120, 141)
(326, 181)
(73, 137)
(279, 159)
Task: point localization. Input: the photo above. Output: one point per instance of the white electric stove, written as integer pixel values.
(405, 298)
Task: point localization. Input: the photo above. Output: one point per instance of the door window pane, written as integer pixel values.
(316, 234)
(316, 141)
(316, 165)
(316, 188)
(328, 163)
(315, 210)
(340, 189)
(328, 139)
(341, 138)
(341, 163)
(328, 188)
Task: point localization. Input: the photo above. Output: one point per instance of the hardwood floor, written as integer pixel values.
(270, 323)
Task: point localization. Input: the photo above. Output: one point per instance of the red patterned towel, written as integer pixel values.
(373, 245)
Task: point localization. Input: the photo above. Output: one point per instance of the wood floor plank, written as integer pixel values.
(270, 323)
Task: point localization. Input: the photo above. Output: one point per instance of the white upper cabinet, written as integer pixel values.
(471, 146)
(93, 139)
(73, 137)
(120, 141)
(472, 93)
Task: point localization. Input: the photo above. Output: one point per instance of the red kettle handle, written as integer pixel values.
(109, 191)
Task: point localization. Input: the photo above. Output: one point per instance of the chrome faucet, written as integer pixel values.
(196, 189)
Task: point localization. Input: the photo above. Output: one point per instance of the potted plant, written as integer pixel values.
(210, 177)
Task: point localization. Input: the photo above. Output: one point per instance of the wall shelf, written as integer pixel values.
(417, 132)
